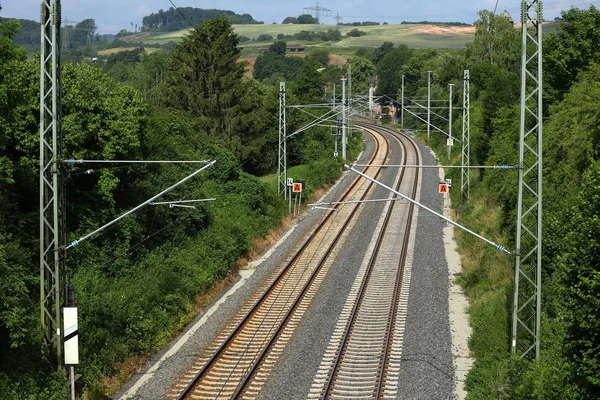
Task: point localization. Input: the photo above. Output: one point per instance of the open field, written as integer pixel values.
(107, 52)
(412, 35)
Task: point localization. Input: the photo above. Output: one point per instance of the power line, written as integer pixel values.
(180, 13)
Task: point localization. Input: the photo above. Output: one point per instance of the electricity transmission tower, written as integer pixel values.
(338, 19)
(317, 12)
(52, 262)
(525, 341)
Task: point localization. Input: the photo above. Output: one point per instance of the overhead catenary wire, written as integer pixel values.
(78, 241)
(180, 13)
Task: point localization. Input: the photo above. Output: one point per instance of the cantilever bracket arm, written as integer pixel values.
(114, 221)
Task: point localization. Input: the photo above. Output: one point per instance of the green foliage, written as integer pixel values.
(579, 274)
(365, 52)
(310, 83)
(388, 69)
(28, 35)
(82, 34)
(264, 38)
(363, 72)
(381, 51)
(274, 63)
(290, 20)
(128, 57)
(356, 33)
(278, 48)
(320, 55)
(307, 19)
(571, 49)
(496, 42)
(204, 78)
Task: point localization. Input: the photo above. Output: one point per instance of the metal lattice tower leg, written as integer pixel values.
(525, 341)
(349, 108)
(282, 163)
(402, 106)
(466, 139)
(52, 268)
(450, 140)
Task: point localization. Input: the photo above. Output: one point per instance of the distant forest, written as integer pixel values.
(28, 35)
(175, 20)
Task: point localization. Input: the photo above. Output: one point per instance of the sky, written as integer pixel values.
(113, 15)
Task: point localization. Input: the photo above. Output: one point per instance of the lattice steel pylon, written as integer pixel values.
(52, 262)
(466, 140)
(317, 12)
(525, 340)
(282, 163)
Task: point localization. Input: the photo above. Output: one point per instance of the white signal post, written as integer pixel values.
(71, 342)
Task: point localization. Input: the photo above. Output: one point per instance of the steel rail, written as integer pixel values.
(211, 361)
(400, 276)
(365, 282)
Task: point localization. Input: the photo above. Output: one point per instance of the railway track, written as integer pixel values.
(239, 361)
(363, 357)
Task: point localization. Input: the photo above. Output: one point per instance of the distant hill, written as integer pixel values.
(29, 35)
(174, 20)
(412, 35)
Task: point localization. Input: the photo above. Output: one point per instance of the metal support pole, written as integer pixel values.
(349, 109)
(343, 118)
(525, 340)
(290, 202)
(466, 140)
(402, 106)
(371, 102)
(428, 104)
(52, 263)
(450, 140)
(333, 97)
(282, 164)
(72, 382)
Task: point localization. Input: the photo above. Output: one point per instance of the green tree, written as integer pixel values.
(568, 155)
(496, 42)
(204, 77)
(320, 55)
(388, 69)
(279, 47)
(310, 83)
(356, 33)
(381, 51)
(569, 50)
(363, 72)
(365, 52)
(579, 269)
(83, 33)
(307, 19)
(290, 20)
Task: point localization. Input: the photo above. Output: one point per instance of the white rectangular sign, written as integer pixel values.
(71, 336)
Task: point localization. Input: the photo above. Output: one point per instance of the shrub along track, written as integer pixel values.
(239, 361)
(363, 357)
